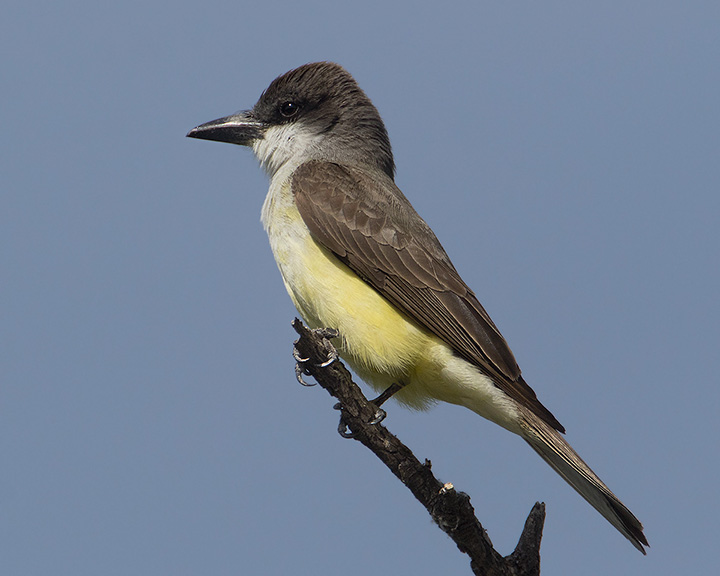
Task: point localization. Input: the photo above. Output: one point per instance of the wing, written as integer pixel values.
(372, 228)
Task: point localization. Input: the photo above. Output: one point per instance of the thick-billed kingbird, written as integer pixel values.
(356, 257)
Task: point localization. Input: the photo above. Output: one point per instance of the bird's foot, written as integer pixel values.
(379, 416)
(380, 400)
(300, 362)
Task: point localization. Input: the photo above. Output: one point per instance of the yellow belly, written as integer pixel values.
(380, 343)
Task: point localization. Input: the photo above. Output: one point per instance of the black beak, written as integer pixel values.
(240, 128)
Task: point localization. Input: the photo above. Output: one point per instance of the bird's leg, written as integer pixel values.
(387, 394)
(380, 400)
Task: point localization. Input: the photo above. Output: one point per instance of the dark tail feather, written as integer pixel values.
(564, 460)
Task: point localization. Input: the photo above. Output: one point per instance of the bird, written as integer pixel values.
(356, 257)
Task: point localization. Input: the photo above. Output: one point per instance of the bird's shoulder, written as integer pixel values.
(368, 203)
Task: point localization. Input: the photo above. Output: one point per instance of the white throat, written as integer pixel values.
(290, 143)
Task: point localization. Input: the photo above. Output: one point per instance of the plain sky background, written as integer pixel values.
(567, 154)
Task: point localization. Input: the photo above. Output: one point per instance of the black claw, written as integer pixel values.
(297, 356)
(379, 417)
(329, 333)
(331, 358)
(343, 429)
(299, 371)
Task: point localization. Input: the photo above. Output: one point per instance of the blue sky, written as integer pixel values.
(566, 155)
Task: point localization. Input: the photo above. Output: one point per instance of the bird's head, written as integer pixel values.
(314, 112)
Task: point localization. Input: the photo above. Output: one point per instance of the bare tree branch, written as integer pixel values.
(450, 509)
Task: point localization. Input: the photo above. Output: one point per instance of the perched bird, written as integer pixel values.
(355, 256)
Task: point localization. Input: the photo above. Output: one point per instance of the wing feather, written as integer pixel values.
(370, 226)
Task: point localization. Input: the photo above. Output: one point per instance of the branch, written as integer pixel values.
(450, 509)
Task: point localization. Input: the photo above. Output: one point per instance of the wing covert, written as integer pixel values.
(370, 226)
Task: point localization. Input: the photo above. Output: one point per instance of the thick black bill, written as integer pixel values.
(240, 128)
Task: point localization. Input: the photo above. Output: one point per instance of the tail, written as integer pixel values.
(564, 460)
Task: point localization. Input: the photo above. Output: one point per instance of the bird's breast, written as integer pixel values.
(376, 337)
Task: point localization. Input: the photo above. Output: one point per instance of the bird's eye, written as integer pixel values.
(289, 109)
